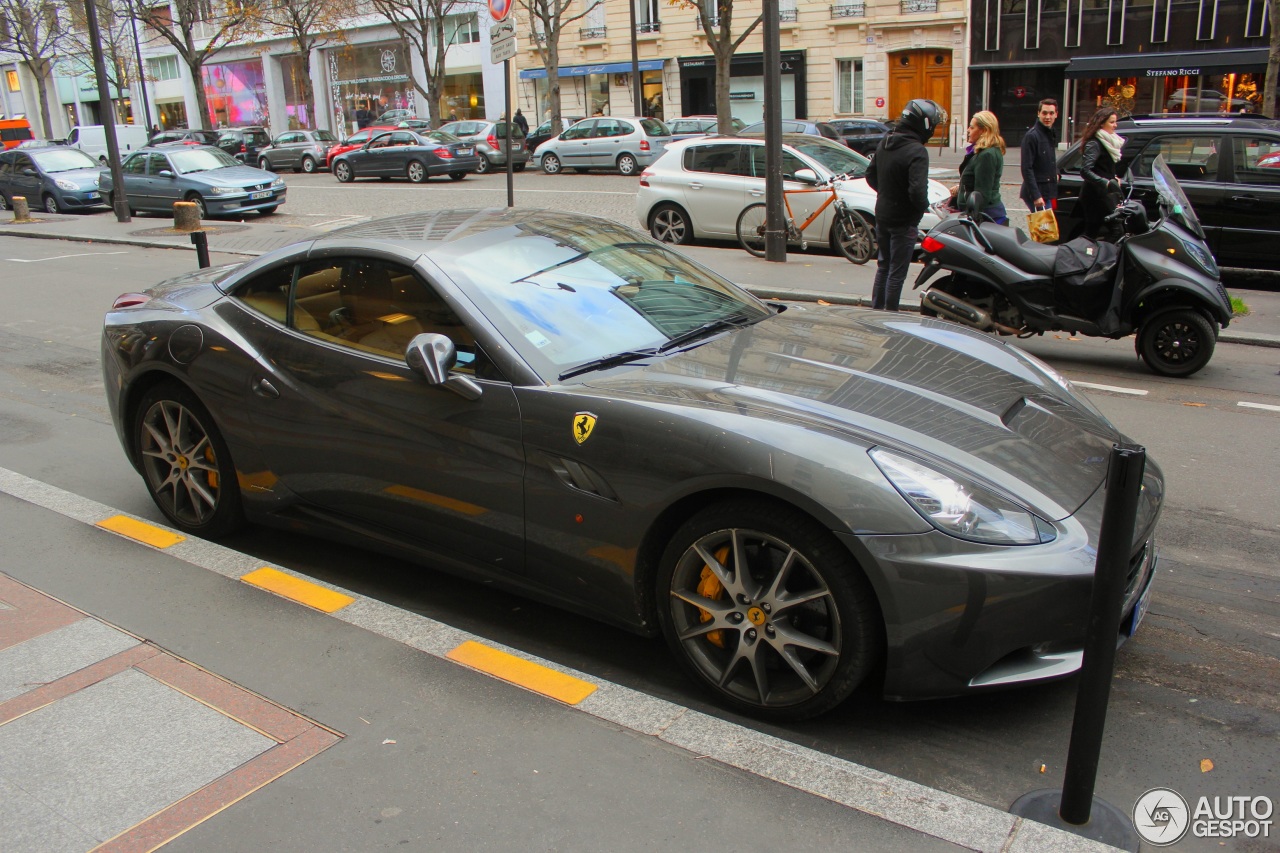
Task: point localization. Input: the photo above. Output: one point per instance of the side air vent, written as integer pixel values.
(581, 478)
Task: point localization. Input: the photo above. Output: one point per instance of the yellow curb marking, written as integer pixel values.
(141, 531)
(296, 589)
(535, 677)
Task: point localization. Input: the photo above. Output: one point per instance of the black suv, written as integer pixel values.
(1228, 166)
(185, 136)
(861, 134)
(243, 143)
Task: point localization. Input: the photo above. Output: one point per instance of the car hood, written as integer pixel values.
(233, 176)
(923, 387)
(85, 179)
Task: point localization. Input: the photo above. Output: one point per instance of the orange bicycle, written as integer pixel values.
(850, 232)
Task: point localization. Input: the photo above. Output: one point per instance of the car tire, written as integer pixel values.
(484, 167)
(551, 164)
(1177, 342)
(670, 224)
(343, 172)
(457, 176)
(790, 640)
(853, 236)
(415, 172)
(267, 211)
(264, 164)
(308, 165)
(185, 463)
(195, 199)
(750, 229)
(517, 167)
(4, 202)
(627, 164)
(51, 203)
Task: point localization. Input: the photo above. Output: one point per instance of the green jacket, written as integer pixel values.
(982, 174)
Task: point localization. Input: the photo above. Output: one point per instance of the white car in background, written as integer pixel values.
(699, 186)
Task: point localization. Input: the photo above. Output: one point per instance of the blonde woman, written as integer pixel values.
(982, 167)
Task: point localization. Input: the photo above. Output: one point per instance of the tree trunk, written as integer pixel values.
(1269, 90)
(308, 91)
(553, 85)
(724, 106)
(40, 70)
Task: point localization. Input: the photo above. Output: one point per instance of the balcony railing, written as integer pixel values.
(589, 33)
(788, 16)
(850, 10)
(649, 27)
(911, 6)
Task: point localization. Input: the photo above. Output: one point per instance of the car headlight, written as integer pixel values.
(961, 508)
(225, 190)
(278, 183)
(66, 185)
(1202, 256)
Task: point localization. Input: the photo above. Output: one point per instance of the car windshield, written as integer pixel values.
(201, 160)
(565, 296)
(64, 161)
(441, 137)
(833, 156)
(653, 127)
(1172, 198)
(324, 136)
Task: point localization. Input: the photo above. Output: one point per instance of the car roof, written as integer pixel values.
(420, 231)
(1214, 120)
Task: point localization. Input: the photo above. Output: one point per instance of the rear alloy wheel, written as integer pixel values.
(343, 172)
(670, 224)
(768, 610)
(518, 167)
(416, 172)
(484, 167)
(457, 176)
(1177, 342)
(201, 210)
(185, 463)
(51, 204)
(264, 164)
(4, 202)
(551, 164)
(627, 164)
(308, 165)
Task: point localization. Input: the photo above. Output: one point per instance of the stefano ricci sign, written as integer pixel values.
(1173, 72)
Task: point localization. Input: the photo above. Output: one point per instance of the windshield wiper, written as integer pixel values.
(732, 321)
(608, 361)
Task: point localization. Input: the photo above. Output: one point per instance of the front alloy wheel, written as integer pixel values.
(551, 164)
(343, 172)
(763, 606)
(201, 210)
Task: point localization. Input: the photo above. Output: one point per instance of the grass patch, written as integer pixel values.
(1238, 307)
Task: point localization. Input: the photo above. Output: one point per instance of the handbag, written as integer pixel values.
(1043, 225)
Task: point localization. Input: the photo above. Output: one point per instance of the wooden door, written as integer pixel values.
(920, 74)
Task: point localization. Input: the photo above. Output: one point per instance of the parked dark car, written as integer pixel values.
(861, 134)
(356, 140)
(799, 500)
(244, 143)
(406, 154)
(56, 178)
(1223, 165)
(157, 176)
(300, 150)
(814, 128)
(185, 136)
(542, 133)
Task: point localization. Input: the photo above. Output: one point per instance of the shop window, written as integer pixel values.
(1257, 161)
(11, 79)
(849, 97)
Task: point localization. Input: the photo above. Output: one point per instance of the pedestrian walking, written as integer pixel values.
(1039, 159)
(899, 173)
(1101, 191)
(983, 166)
(521, 122)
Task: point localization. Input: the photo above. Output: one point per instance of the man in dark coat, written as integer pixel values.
(899, 173)
(521, 122)
(1040, 159)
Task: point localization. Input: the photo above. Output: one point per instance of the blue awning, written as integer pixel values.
(584, 70)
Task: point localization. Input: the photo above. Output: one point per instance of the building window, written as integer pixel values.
(1255, 21)
(991, 25)
(1031, 27)
(849, 86)
(1115, 22)
(462, 29)
(1207, 20)
(11, 78)
(1160, 21)
(163, 68)
(1075, 15)
(647, 16)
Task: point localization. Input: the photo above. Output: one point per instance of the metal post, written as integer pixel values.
(637, 95)
(201, 242)
(511, 137)
(775, 235)
(109, 127)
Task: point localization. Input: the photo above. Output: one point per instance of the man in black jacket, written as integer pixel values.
(899, 173)
(1040, 160)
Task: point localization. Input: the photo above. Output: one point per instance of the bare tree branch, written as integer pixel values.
(34, 35)
(309, 24)
(547, 20)
(422, 24)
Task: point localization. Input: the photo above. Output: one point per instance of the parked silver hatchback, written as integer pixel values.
(300, 150)
(625, 143)
(490, 141)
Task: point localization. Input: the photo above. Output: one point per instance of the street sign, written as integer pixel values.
(499, 10)
(502, 41)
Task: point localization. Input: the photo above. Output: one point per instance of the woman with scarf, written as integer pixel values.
(982, 167)
(1101, 192)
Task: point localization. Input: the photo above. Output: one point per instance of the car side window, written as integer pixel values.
(23, 162)
(610, 127)
(1257, 160)
(402, 138)
(581, 130)
(156, 163)
(1190, 158)
(267, 293)
(376, 307)
(381, 141)
(790, 164)
(719, 159)
(6, 166)
(135, 165)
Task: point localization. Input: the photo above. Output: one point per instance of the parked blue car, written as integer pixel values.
(157, 176)
(57, 179)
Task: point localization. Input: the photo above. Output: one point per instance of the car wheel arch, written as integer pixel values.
(138, 387)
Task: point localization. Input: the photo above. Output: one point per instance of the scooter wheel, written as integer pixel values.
(1177, 342)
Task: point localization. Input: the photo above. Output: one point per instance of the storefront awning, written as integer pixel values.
(584, 70)
(1168, 64)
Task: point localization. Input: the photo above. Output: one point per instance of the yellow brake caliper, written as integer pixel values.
(212, 476)
(709, 586)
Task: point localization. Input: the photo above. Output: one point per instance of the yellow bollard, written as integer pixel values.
(186, 216)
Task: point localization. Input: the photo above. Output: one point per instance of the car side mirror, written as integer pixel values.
(29, 172)
(432, 356)
(806, 176)
(165, 173)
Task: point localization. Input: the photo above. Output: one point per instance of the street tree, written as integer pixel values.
(185, 23)
(31, 32)
(1270, 88)
(547, 20)
(715, 17)
(115, 32)
(309, 24)
(425, 25)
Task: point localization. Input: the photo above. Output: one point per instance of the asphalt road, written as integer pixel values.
(1198, 682)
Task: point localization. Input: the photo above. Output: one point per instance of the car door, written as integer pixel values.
(574, 146)
(25, 181)
(1195, 158)
(1250, 221)
(403, 149)
(377, 157)
(605, 142)
(343, 423)
(133, 171)
(163, 190)
(802, 204)
(716, 186)
(287, 153)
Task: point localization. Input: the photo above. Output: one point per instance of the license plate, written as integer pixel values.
(90, 195)
(464, 151)
(1140, 609)
(262, 194)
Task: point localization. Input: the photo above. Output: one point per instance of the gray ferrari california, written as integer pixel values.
(800, 498)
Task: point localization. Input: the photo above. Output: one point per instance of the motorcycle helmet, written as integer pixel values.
(921, 117)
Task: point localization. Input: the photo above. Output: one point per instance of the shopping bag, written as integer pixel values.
(1043, 225)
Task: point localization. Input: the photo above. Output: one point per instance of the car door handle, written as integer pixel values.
(1244, 199)
(264, 388)
(696, 185)
(756, 193)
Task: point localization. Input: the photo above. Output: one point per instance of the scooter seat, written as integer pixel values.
(1015, 246)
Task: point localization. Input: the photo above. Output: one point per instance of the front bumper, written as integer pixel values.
(82, 199)
(217, 205)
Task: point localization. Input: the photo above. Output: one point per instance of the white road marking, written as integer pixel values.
(1115, 389)
(1266, 406)
(60, 257)
(457, 189)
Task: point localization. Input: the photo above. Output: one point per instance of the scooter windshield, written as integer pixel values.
(1173, 199)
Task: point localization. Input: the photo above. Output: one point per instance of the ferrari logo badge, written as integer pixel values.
(583, 424)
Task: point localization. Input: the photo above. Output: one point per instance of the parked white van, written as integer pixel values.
(92, 139)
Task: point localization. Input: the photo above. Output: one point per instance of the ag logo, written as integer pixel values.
(1161, 816)
(583, 424)
(388, 61)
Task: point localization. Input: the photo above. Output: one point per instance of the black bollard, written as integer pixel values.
(1073, 808)
(201, 241)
